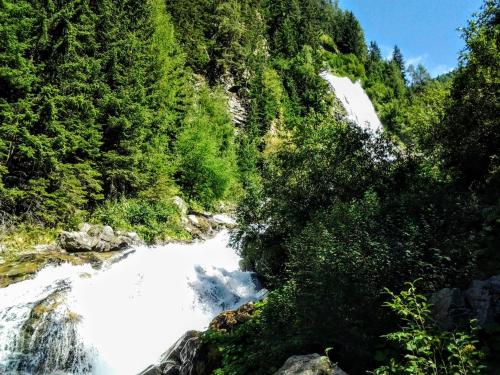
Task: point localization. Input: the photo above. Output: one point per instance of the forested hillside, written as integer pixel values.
(111, 108)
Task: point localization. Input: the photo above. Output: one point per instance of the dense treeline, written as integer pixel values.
(92, 108)
(110, 108)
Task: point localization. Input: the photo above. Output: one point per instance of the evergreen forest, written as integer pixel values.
(110, 109)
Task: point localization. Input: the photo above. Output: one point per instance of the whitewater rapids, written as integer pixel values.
(357, 104)
(121, 318)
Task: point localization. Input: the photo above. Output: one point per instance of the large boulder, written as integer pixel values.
(188, 356)
(454, 308)
(311, 364)
(229, 320)
(96, 238)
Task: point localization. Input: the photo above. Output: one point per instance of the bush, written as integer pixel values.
(152, 220)
(423, 347)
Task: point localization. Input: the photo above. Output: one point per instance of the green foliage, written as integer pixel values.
(425, 349)
(154, 221)
(399, 62)
(343, 215)
(416, 118)
(418, 75)
(471, 133)
(88, 105)
(102, 118)
(350, 37)
(242, 349)
(346, 66)
(206, 167)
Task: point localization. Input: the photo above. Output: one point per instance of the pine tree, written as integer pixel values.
(283, 26)
(398, 61)
(374, 53)
(142, 68)
(351, 37)
(18, 81)
(51, 168)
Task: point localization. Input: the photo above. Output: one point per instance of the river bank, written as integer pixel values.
(26, 249)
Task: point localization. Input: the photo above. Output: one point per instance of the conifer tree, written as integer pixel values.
(18, 81)
(51, 168)
(398, 61)
(142, 66)
(374, 53)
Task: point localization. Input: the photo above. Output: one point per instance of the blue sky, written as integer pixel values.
(425, 30)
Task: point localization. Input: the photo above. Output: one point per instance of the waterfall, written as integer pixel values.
(118, 319)
(357, 104)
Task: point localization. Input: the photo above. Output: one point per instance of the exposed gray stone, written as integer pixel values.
(76, 241)
(85, 227)
(151, 370)
(224, 220)
(311, 364)
(454, 308)
(181, 205)
(188, 356)
(94, 238)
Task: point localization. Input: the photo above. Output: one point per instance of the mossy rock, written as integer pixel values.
(24, 266)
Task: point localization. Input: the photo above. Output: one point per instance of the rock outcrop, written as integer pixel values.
(202, 225)
(205, 225)
(311, 364)
(454, 308)
(97, 239)
(188, 356)
(236, 105)
(229, 320)
(191, 356)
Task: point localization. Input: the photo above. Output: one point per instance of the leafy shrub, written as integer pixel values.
(152, 220)
(424, 348)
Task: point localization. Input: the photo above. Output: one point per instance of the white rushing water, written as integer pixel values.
(355, 101)
(119, 319)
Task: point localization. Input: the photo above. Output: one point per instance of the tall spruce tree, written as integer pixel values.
(351, 37)
(142, 67)
(399, 62)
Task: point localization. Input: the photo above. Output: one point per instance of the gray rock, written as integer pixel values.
(172, 359)
(45, 248)
(94, 238)
(188, 356)
(151, 370)
(454, 308)
(76, 241)
(193, 220)
(237, 109)
(236, 104)
(181, 205)
(85, 227)
(224, 220)
(311, 364)
(449, 308)
(107, 234)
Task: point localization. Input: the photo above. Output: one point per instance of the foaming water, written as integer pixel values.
(119, 319)
(355, 101)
